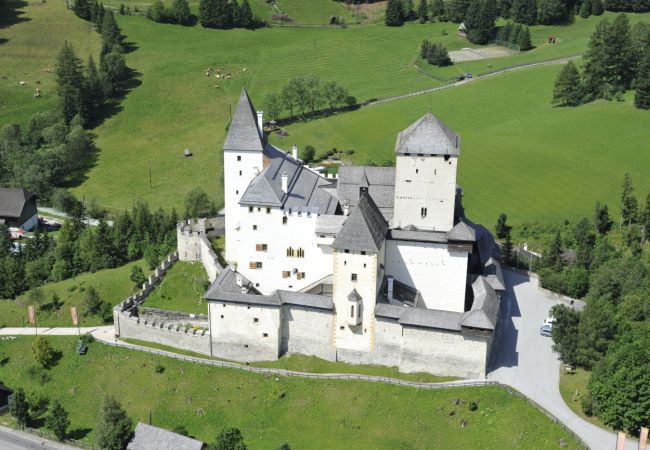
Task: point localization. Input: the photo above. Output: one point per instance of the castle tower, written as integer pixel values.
(243, 159)
(425, 175)
(359, 250)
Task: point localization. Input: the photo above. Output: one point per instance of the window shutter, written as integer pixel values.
(258, 247)
(252, 265)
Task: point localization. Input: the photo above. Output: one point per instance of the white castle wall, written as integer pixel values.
(172, 335)
(308, 331)
(388, 343)
(444, 353)
(193, 244)
(297, 232)
(439, 274)
(245, 332)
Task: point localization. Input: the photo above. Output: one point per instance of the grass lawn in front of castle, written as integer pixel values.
(573, 387)
(113, 286)
(270, 410)
(181, 289)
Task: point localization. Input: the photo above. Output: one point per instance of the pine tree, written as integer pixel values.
(514, 35)
(507, 249)
(58, 420)
(504, 32)
(113, 428)
(394, 13)
(503, 8)
(246, 15)
(568, 89)
(206, 13)
(19, 408)
(629, 203)
(156, 12)
(43, 352)
(480, 21)
(601, 219)
(93, 89)
(82, 9)
(99, 16)
(551, 12)
(552, 257)
(235, 12)
(642, 95)
(181, 12)
(524, 11)
(70, 82)
(456, 10)
(229, 439)
(585, 9)
(501, 228)
(111, 34)
(523, 39)
(222, 14)
(597, 8)
(423, 11)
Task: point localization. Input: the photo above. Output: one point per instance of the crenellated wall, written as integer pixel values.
(193, 243)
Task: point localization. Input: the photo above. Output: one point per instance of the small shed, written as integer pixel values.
(148, 437)
(187, 153)
(462, 29)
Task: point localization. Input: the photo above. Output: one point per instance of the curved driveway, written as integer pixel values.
(525, 361)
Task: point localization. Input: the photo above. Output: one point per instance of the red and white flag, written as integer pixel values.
(31, 312)
(75, 317)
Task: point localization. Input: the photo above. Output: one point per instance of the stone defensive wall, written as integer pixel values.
(193, 242)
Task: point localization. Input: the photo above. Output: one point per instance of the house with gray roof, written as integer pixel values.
(18, 208)
(148, 437)
(379, 266)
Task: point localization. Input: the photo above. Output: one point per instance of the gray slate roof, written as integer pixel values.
(428, 136)
(461, 232)
(243, 133)
(431, 318)
(354, 296)
(380, 182)
(225, 289)
(439, 237)
(364, 230)
(304, 186)
(148, 437)
(494, 275)
(485, 310)
(12, 201)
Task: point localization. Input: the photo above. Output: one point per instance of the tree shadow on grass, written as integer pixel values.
(113, 105)
(129, 47)
(79, 433)
(11, 15)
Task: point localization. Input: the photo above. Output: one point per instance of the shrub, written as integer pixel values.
(43, 352)
(472, 406)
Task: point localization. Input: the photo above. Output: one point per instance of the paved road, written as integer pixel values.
(16, 440)
(48, 331)
(526, 362)
(55, 212)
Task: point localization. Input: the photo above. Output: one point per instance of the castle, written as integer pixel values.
(377, 266)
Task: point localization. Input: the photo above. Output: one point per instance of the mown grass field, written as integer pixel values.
(519, 154)
(550, 163)
(271, 410)
(181, 289)
(573, 386)
(113, 286)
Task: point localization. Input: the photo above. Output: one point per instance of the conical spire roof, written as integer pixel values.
(243, 133)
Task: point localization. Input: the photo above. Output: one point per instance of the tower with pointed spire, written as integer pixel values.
(243, 159)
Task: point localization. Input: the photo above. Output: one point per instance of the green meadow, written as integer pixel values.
(271, 410)
(181, 289)
(112, 285)
(519, 154)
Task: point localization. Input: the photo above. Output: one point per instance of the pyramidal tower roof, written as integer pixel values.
(428, 136)
(243, 133)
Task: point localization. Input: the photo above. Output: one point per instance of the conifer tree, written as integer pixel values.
(206, 13)
(111, 34)
(524, 11)
(585, 9)
(551, 11)
(505, 32)
(99, 16)
(597, 8)
(437, 9)
(156, 12)
(423, 11)
(181, 12)
(113, 427)
(93, 89)
(408, 9)
(19, 408)
(70, 82)
(514, 35)
(503, 8)
(480, 21)
(629, 203)
(568, 90)
(58, 420)
(222, 14)
(394, 13)
(642, 94)
(82, 9)
(523, 39)
(552, 257)
(235, 20)
(246, 15)
(456, 10)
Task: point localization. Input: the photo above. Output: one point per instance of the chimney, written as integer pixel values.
(260, 121)
(294, 152)
(285, 182)
(240, 282)
(390, 288)
(346, 208)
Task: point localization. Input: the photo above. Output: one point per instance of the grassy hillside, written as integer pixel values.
(113, 286)
(181, 289)
(519, 154)
(270, 410)
(31, 35)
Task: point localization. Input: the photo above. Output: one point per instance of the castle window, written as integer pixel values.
(250, 209)
(352, 311)
(447, 158)
(300, 275)
(286, 274)
(257, 285)
(341, 328)
(240, 173)
(268, 210)
(255, 265)
(254, 227)
(236, 192)
(345, 263)
(256, 320)
(259, 209)
(261, 247)
(300, 253)
(363, 252)
(346, 251)
(417, 170)
(265, 334)
(245, 345)
(290, 252)
(285, 219)
(364, 265)
(353, 277)
(222, 316)
(423, 211)
(238, 157)
(435, 171)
